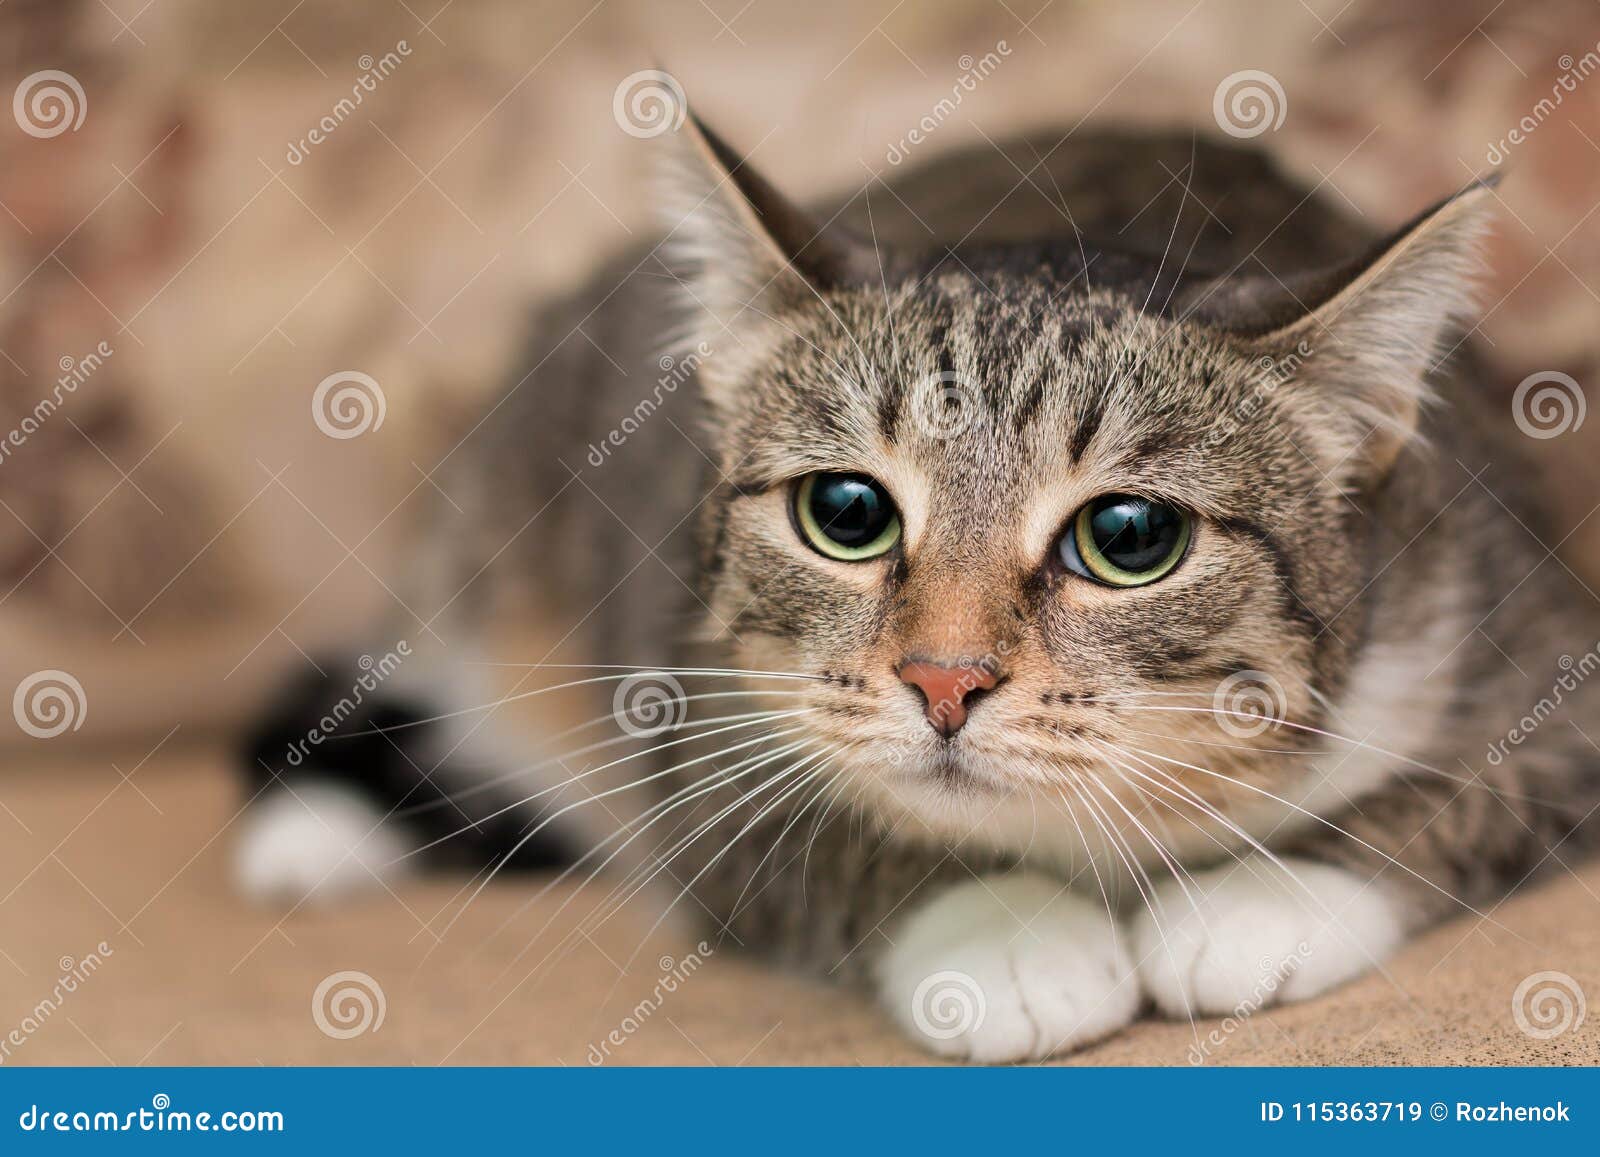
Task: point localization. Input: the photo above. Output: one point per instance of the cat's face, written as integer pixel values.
(1050, 544)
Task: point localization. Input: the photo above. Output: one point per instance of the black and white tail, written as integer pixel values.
(349, 789)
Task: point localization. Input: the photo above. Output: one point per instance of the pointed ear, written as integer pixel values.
(1356, 343)
(739, 249)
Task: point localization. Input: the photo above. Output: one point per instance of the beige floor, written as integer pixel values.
(137, 860)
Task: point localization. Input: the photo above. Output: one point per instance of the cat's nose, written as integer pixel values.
(948, 689)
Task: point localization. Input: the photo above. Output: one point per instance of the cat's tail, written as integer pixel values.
(353, 779)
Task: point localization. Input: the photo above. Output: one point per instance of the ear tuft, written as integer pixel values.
(1365, 336)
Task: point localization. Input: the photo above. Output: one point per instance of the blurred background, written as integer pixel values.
(179, 529)
(199, 224)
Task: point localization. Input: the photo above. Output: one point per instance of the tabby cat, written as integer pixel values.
(1060, 580)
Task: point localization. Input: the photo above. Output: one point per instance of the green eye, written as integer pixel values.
(1125, 541)
(846, 516)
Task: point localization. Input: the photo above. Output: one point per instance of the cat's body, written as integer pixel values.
(997, 339)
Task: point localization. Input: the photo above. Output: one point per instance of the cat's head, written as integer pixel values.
(1051, 524)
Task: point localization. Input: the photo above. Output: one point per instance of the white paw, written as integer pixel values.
(318, 841)
(1008, 968)
(1248, 936)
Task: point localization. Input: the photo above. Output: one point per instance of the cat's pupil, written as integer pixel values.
(1134, 533)
(851, 509)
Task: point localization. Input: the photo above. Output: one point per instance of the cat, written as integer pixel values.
(1099, 563)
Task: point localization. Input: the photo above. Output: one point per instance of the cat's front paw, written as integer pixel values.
(1007, 968)
(1255, 933)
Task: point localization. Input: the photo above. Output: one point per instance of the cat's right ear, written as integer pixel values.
(741, 252)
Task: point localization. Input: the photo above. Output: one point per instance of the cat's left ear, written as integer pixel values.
(740, 250)
(1356, 343)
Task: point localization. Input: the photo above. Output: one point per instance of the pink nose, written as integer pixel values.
(946, 688)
